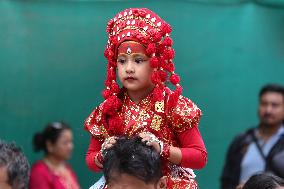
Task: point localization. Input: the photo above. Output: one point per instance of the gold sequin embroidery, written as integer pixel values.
(156, 122)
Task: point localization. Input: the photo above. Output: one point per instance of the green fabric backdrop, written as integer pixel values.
(52, 66)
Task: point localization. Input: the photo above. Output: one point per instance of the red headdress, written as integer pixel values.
(146, 27)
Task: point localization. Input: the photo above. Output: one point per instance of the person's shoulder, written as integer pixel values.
(184, 104)
(184, 115)
(181, 98)
(39, 167)
(244, 136)
(93, 122)
(38, 164)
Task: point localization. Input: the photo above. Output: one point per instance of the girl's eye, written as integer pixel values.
(139, 60)
(121, 61)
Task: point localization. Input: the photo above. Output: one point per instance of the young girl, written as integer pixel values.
(139, 51)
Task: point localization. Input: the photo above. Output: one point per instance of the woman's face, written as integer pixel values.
(63, 147)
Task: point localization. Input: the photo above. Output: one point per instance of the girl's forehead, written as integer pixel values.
(131, 47)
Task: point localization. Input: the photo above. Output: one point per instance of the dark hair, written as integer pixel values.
(271, 88)
(51, 133)
(132, 156)
(16, 164)
(263, 181)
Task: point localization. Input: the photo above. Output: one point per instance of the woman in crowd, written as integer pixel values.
(52, 172)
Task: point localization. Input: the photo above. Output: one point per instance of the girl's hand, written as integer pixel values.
(109, 142)
(151, 140)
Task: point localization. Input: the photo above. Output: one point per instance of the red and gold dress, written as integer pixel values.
(177, 126)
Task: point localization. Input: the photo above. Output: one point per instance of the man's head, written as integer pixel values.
(14, 167)
(264, 181)
(130, 164)
(271, 105)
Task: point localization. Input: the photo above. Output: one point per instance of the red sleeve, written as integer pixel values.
(193, 150)
(39, 177)
(94, 148)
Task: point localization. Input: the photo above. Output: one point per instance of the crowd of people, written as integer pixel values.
(144, 134)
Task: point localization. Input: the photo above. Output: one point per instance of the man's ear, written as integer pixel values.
(162, 183)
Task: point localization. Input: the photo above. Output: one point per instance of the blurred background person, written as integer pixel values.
(14, 167)
(264, 181)
(52, 172)
(259, 149)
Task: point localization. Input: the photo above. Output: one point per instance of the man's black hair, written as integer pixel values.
(271, 88)
(263, 181)
(133, 157)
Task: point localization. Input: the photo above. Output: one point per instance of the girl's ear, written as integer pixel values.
(162, 183)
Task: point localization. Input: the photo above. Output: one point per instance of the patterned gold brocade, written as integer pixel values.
(154, 117)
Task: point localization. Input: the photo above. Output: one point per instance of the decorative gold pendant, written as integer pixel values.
(159, 106)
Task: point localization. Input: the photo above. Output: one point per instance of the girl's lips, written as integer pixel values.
(130, 78)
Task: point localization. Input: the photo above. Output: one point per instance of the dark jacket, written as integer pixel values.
(237, 149)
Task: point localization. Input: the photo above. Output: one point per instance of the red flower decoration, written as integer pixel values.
(122, 25)
(135, 12)
(141, 24)
(114, 40)
(140, 37)
(154, 62)
(173, 98)
(108, 54)
(160, 48)
(146, 39)
(168, 41)
(111, 105)
(166, 28)
(155, 78)
(108, 82)
(151, 32)
(134, 33)
(115, 88)
(112, 63)
(106, 93)
(162, 62)
(163, 75)
(115, 126)
(158, 93)
(142, 13)
(151, 49)
(109, 26)
(157, 37)
(170, 67)
(111, 74)
(169, 53)
(175, 79)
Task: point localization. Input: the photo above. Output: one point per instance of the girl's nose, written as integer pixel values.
(129, 67)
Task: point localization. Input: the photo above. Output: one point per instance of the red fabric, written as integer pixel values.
(43, 178)
(129, 47)
(176, 126)
(193, 149)
(94, 148)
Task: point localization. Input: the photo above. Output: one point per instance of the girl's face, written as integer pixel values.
(134, 70)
